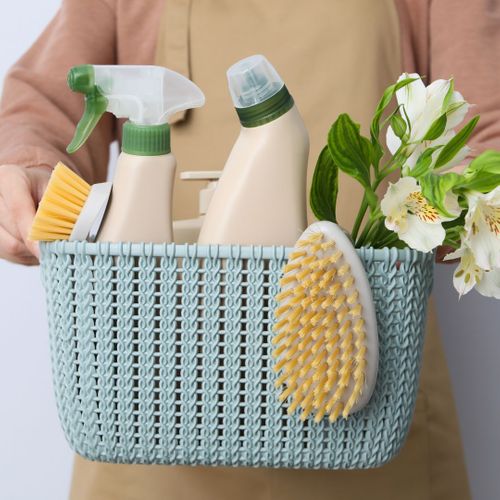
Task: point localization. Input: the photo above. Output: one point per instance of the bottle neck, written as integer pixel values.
(267, 111)
(146, 140)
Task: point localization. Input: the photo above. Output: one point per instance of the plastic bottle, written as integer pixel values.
(141, 200)
(261, 196)
(188, 230)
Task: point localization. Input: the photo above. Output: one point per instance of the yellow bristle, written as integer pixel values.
(297, 399)
(284, 395)
(302, 358)
(306, 318)
(331, 333)
(359, 325)
(306, 368)
(299, 276)
(348, 283)
(328, 319)
(341, 314)
(339, 301)
(351, 299)
(292, 266)
(317, 318)
(327, 245)
(334, 289)
(307, 406)
(284, 294)
(343, 270)
(286, 280)
(60, 206)
(345, 331)
(336, 412)
(335, 257)
(297, 254)
(356, 310)
(327, 302)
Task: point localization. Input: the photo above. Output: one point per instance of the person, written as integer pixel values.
(335, 56)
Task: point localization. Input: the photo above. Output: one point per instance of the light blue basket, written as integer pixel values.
(161, 354)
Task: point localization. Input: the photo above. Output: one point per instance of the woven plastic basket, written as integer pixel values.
(161, 354)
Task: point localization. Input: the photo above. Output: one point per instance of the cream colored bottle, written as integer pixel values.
(261, 195)
(141, 201)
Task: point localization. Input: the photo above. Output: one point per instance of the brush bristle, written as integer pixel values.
(320, 342)
(60, 206)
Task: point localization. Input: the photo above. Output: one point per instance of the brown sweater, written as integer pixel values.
(440, 38)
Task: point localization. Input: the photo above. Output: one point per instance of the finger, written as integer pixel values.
(19, 202)
(13, 250)
(7, 221)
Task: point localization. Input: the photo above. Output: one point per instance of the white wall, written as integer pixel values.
(35, 462)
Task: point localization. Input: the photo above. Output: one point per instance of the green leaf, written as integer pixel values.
(456, 143)
(424, 162)
(448, 96)
(488, 162)
(383, 103)
(352, 152)
(435, 187)
(324, 187)
(398, 125)
(436, 129)
(483, 173)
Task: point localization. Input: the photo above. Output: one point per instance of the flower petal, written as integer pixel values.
(467, 274)
(412, 96)
(457, 116)
(489, 285)
(421, 235)
(392, 140)
(485, 245)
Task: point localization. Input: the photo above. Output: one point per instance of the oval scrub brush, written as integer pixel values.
(326, 339)
(70, 207)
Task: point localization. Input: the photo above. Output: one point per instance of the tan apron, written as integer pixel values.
(335, 56)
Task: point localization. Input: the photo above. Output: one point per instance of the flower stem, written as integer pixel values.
(359, 218)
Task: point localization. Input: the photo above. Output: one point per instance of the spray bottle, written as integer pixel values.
(141, 201)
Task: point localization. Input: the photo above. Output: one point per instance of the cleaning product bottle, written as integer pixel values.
(261, 196)
(188, 230)
(141, 200)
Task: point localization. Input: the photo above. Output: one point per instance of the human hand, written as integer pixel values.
(21, 189)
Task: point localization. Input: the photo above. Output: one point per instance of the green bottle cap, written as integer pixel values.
(146, 140)
(266, 111)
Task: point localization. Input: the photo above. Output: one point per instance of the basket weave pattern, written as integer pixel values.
(161, 354)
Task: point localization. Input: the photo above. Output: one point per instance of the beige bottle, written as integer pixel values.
(140, 209)
(261, 196)
(188, 230)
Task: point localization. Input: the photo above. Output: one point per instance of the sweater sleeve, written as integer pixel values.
(465, 43)
(38, 112)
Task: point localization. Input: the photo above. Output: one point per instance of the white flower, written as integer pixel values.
(410, 215)
(422, 107)
(482, 228)
(469, 275)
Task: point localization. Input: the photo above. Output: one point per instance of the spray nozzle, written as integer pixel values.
(146, 95)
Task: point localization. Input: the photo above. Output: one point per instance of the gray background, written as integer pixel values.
(35, 461)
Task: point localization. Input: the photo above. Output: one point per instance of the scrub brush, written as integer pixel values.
(70, 207)
(326, 339)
